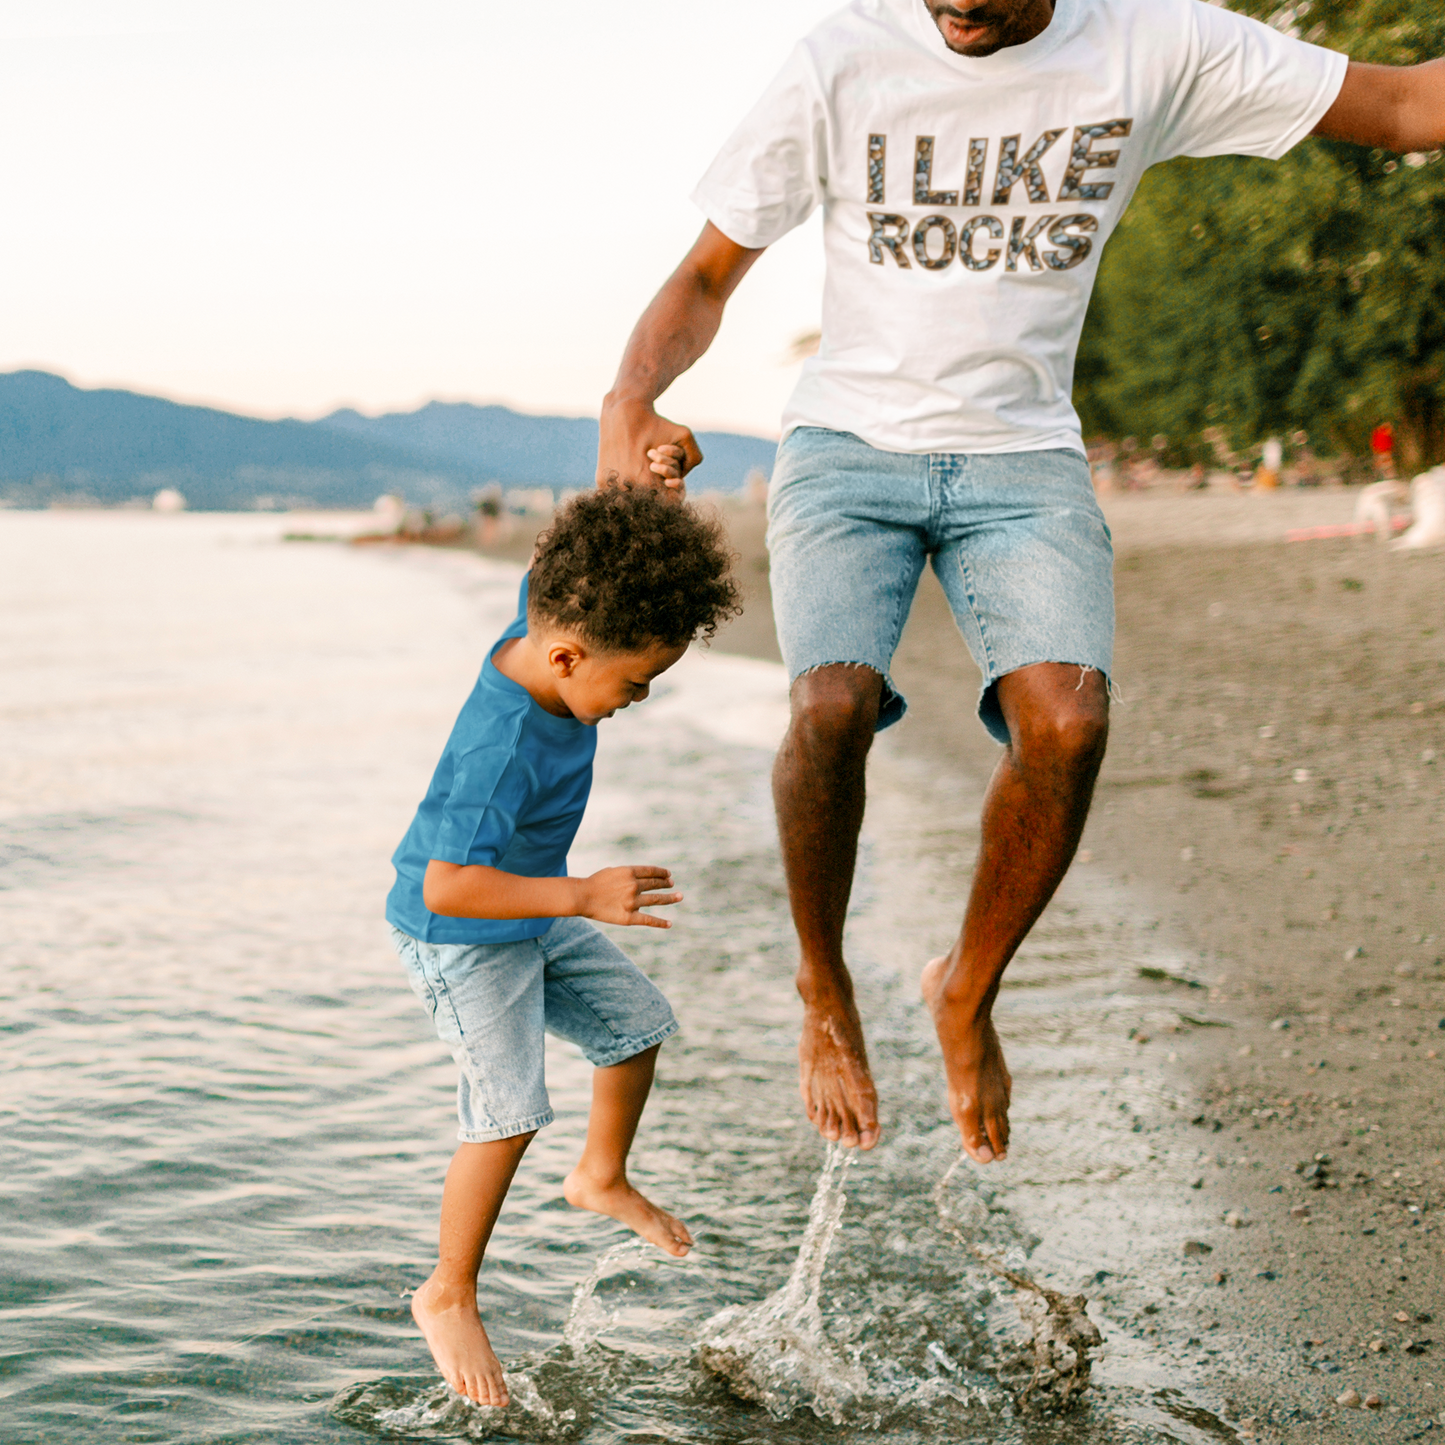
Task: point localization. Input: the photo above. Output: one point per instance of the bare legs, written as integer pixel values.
(818, 788)
(477, 1182)
(1033, 816)
(599, 1182)
(446, 1305)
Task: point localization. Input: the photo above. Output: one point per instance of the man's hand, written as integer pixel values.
(618, 895)
(636, 445)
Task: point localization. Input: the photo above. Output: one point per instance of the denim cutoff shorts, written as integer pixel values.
(1017, 540)
(491, 1003)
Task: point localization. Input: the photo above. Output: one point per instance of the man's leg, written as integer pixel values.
(1033, 817)
(818, 786)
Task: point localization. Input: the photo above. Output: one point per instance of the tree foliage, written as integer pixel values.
(1269, 297)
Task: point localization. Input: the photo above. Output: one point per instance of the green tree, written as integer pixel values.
(1268, 297)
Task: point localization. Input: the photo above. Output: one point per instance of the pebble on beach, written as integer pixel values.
(1350, 1400)
(1196, 1247)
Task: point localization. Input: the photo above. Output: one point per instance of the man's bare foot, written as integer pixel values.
(620, 1201)
(447, 1314)
(834, 1077)
(979, 1085)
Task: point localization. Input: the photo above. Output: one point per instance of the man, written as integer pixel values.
(971, 160)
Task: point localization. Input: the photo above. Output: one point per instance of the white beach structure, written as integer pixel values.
(1427, 497)
(1372, 510)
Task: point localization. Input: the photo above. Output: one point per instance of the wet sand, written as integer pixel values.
(1272, 800)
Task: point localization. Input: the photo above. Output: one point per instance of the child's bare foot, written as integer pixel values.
(620, 1201)
(979, 1085)
(458, 1342)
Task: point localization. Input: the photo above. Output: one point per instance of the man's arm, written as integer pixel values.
(1395, 107)
(672, 333)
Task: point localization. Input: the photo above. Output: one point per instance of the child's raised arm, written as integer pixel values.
(615, 895)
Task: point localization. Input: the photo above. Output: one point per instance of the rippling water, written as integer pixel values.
(225, 1121)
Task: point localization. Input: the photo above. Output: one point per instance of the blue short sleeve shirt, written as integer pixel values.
(509, 793)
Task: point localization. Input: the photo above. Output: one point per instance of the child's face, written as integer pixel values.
(594, 685)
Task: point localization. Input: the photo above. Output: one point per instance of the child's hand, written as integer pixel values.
(618, 895)
(667, 462)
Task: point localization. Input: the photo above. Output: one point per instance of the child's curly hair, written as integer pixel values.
(626, 567)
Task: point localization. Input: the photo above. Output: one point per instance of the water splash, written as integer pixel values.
(438, 1412)
(587, 1320)
(776, 1353)
(1061, 1331)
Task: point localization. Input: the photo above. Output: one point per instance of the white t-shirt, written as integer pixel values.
(966, 201)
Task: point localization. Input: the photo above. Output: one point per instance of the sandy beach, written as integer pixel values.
(1273, 798)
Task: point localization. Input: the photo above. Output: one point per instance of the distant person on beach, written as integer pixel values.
(971, 160)
(492, 931)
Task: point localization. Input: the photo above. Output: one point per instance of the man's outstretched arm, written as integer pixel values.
(1395, 107)
(672, 333)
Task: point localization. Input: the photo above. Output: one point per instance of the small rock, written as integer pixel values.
(1236, 1221)
(1197, 1183)
(1301, 775)
(1350, 1400)
(1401, 1318)
(1377, 1347)
(1186, 855)
(1405, 970)
(1246, 1051)
(1193, 1248)
(1280, 1024)
(1373, 1402)
(1417, 1347)
(1299, 1211)
(1351, 954)
(1221, 1278)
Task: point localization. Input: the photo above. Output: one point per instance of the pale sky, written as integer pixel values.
(284, 206)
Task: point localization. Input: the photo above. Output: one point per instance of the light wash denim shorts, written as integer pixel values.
(1018, 542)
(491, 1003)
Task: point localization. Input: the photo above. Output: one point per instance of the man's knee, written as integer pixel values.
(836, 705)
(1069, 735)
(1061, 726)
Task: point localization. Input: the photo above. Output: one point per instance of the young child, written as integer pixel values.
(491, 929)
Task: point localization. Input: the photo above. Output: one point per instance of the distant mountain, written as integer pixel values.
(501, 445)
(59, 442)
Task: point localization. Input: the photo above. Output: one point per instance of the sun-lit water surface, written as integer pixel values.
(225, 1120)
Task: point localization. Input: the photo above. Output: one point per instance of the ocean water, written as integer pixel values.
(224, 1122)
